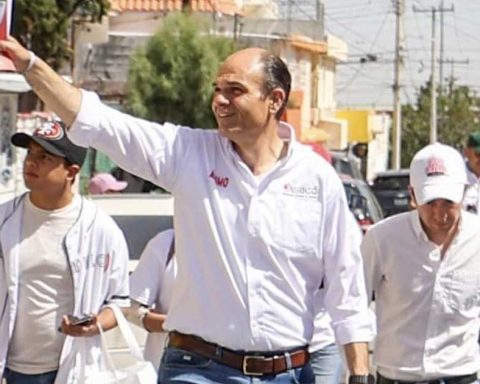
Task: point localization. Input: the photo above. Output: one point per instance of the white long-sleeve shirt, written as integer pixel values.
(427, 308)
(151, 284)
(251, 252)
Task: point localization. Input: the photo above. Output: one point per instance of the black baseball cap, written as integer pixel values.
(51, 136)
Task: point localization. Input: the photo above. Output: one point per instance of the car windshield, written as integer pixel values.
(346, 166)
(391, 183)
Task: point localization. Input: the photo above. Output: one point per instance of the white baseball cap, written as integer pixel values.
(438, 171)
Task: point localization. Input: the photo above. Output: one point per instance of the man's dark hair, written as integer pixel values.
(276, 75)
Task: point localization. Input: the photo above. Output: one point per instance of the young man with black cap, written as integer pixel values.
(472, 153)
(424, 267)
(59, 256)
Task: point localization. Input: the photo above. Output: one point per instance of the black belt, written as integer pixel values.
(250, 364)
(465, 379)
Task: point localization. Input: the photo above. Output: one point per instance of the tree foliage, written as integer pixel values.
(43, 25)
(171, 78)
(458, 115)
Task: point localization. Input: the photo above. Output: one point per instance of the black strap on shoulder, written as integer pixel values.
(171, 251)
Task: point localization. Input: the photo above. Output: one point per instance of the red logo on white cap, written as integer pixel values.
(435, 166)
(50, 130)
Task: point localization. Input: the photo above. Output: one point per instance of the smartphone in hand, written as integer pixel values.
(81, 320)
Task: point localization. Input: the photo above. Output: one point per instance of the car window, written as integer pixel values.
(373, 204)
(395, 183)
(349, 191)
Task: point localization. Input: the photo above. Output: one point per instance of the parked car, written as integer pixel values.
(363, 203)
(391, 190)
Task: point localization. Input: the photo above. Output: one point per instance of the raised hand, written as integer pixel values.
(22, 58)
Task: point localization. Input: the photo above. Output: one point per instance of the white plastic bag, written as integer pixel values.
(142, 372)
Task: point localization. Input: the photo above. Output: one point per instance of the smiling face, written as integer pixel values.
(44, 172)
(240, 105)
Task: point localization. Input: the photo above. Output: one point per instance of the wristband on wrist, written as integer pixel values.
(141, 313)
(361, 379)
(31, 62)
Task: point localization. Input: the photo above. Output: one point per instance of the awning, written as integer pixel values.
(11, 82)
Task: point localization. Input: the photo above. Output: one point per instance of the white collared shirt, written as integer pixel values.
(251, 252)
(151, 284)
(427, 308)
(471, 201)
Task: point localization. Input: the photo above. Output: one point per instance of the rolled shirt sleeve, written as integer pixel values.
(346, 295)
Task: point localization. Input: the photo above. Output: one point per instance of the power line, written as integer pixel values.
(433, 110)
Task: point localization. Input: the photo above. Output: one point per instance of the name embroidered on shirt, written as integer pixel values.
(435, 167)
(305, 191)
(102, 260)
(220, 181)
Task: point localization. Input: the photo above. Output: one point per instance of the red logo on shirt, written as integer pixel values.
(435, 166)
(50, 130)
(220, 181)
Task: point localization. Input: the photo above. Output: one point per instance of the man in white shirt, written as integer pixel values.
(471, 202)
(424, 267)
(59, 256)
(151, 288)
(260, 221)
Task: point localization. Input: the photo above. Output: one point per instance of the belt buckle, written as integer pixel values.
(245, 364)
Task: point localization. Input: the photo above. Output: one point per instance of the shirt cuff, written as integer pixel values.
(119, 302)
(355, 330)
(87, 120)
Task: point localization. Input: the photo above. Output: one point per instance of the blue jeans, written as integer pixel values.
(13, 377)
(327, 365)
(179, 366)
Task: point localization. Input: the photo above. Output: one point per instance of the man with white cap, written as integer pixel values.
(424, 267)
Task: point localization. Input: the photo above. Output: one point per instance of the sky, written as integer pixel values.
(368, 27)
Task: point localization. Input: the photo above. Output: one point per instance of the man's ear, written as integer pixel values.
(413, 200)
(277, 99)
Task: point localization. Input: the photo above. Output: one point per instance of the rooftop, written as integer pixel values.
(222, 6)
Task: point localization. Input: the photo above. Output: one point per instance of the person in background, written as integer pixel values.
(424, 268)
(471, 202)
(151, 285)
(105, 183)
(60, 256)
(260, 221)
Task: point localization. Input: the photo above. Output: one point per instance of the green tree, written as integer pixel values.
(458, 115)
(171, 78)
(42, 25)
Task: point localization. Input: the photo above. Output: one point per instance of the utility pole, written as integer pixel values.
(441, 61)
(433, 84)
(397, 108)
(433, 90)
